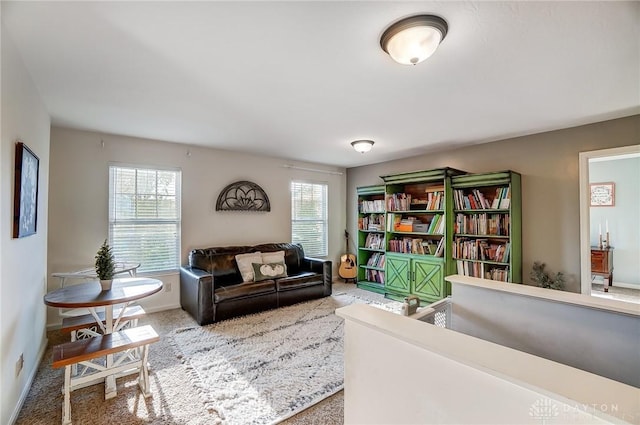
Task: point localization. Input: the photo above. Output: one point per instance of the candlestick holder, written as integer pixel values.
(600, 241)
(606, 243)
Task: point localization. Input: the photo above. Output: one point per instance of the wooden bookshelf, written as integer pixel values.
(487, 239)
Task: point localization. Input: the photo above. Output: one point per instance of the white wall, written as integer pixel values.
(548, 163)
(22, 261)
(433, 375)
(78, 208)
(623, 217)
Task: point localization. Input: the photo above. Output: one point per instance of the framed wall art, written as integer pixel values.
(25, 197)
(602, 194)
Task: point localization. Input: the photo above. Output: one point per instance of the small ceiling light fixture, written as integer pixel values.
(362, 146)
(412, 40)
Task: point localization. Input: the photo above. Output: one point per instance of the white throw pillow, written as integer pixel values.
(272, 257)
(245, 262)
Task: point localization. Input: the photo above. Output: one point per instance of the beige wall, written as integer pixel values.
(548, 163)
(22, 261)
(78, 208)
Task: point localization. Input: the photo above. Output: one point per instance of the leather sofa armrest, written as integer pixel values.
(323, 267)
(196, 293)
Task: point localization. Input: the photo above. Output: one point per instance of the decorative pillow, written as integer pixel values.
(269, 270)
(273, 257)
(244, 264)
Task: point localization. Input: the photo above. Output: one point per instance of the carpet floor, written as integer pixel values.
(174, 400)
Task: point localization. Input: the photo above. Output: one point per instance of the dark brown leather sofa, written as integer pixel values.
(211, 287)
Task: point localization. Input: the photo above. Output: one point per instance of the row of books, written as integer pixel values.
(433, 201)
(374, 206)
(399, 202)
(374, 241)
(476, 200)
(371, 222)
(437, 225)
(417, 246)
(480, 249)
(482, 270)
(376, 260)
(374, 276)
(482, 224)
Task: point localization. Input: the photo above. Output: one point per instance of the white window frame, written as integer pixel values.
(324, 221)
(177, 221)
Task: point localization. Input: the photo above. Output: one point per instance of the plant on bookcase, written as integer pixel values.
(544, 280)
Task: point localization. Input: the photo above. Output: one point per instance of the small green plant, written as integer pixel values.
(105, 264)
(544, 280)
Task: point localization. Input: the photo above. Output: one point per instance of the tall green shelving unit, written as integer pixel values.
(421, 226)
(419, 233)
(487, 239)
(371, 238)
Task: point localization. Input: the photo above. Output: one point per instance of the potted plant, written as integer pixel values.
(544, 280)
(105, 266)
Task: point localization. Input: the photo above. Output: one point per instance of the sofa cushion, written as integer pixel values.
(269, 271)
(243, 290)
(245, 262)
(272, 257)
(293, 254)
(298, 281)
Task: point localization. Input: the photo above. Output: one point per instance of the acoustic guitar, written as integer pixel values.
(348, 270)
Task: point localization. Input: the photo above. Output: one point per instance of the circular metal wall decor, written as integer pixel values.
(243, 196)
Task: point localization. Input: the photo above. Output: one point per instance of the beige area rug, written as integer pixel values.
(266, 367)
(174, 401)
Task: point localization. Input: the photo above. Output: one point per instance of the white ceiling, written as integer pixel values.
(302, 79)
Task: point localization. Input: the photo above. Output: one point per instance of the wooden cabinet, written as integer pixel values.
(602, 265)
(415, 275)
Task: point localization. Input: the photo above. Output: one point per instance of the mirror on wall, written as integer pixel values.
(609, 225)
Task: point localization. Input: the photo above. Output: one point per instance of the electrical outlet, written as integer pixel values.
(19, 364)
(167, 287)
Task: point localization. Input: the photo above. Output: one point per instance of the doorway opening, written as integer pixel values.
(602, 166)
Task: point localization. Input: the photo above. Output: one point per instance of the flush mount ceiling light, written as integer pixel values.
(412, 40)
(362, 146)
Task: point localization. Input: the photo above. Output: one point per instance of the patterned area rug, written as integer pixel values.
(263, 368)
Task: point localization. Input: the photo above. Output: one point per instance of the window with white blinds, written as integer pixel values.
(144, 217)
(309, 217)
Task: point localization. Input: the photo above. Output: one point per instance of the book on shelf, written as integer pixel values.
(482, 224)
(399, 202)
(440, 248)
(407, 246)
(481, 270)
(373, 206)
(376, 260)
(371, 222)
(393, 220)
(437, 225)
(480, 249)
(502, 199)
(374, 241)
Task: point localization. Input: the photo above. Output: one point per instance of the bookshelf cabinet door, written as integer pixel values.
(397, 275)
(428, 281)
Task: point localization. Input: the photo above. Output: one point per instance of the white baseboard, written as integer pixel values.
(626, 285)
(600, 281)
(27, 387)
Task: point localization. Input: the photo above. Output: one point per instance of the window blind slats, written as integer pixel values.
(309, 217)
(144, 217)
